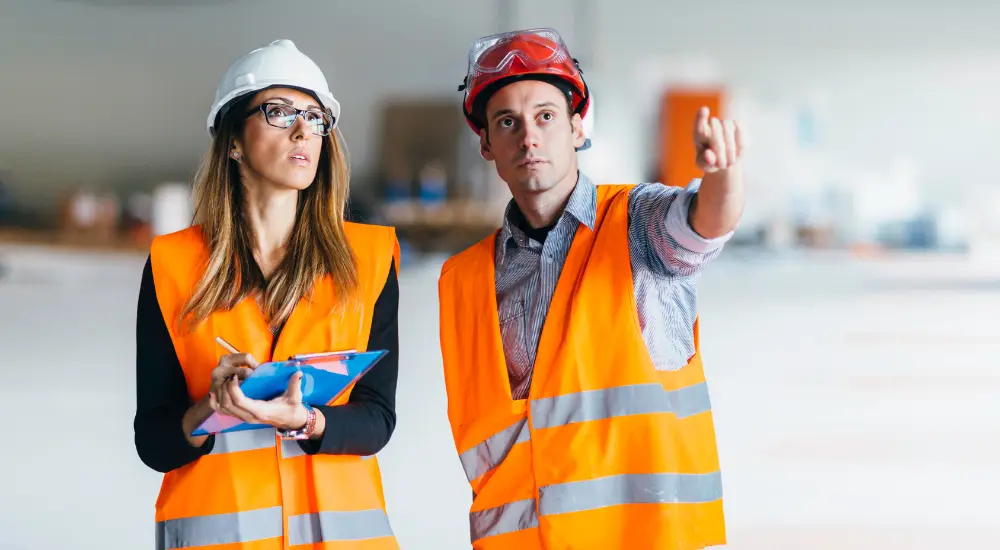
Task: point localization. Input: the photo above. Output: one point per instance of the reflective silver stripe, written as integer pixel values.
(578, 496)
(510, 517)
(485, 456)
(260, 524)
(290, 448)
(690, 401)
(621, 401)
(243, 440)
(338, 526)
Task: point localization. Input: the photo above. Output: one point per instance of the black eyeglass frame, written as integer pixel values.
(262, 108)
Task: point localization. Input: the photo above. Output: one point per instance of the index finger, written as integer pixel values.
(225, 372)
(702, 129)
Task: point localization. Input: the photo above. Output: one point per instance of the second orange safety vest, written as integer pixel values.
(606, 452)
(255, 491)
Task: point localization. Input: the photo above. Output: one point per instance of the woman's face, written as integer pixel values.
(281, 157)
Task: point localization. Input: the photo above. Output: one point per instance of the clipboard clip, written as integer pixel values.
(321, 355)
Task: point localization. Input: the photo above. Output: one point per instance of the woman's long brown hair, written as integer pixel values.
(317, 246)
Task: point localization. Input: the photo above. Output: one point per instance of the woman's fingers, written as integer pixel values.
(221, 374)
(225, 394)
(238, 360)
(237, 366)
(234, 403)
(233, 363)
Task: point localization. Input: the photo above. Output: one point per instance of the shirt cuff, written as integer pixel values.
(679, 228)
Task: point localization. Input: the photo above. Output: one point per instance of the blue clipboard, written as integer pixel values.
(325, 377)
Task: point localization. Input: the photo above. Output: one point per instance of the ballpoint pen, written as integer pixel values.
(229, 347)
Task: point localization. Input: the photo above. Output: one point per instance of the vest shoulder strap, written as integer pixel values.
(372, 241)
(470, 258)
(180, 253)
(178, 260)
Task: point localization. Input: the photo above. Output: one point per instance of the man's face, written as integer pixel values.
(532, 137)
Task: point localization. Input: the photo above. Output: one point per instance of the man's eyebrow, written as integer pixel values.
(502, 112)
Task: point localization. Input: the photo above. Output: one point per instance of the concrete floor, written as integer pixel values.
(855, 402)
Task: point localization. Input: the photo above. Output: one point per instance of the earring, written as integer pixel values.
(236, 156)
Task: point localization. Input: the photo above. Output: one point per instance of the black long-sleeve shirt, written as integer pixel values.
(362, 426)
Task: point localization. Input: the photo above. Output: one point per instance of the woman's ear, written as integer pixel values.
(234, 152)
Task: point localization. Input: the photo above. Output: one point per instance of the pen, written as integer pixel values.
(229, 347)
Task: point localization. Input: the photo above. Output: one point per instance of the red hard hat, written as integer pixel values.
(534, 52)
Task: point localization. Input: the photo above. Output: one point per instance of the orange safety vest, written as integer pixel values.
(606, 452)
(255, 491)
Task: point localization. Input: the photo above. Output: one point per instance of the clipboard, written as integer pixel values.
(325, 377)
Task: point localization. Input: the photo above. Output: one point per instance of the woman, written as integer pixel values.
(271, 267)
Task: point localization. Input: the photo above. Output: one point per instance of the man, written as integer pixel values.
(576, 393)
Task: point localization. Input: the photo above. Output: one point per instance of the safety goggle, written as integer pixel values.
(533, 47)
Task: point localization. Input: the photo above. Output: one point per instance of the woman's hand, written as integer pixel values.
(285, 411)
(236, 366)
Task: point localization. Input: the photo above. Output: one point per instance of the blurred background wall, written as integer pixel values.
(852, 98)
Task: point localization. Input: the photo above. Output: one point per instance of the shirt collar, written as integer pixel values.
(582, 206)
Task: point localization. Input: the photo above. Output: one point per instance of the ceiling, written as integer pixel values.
(147, 3)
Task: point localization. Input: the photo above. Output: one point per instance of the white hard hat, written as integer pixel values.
(279, 63)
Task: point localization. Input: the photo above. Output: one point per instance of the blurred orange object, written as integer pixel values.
(679, 107)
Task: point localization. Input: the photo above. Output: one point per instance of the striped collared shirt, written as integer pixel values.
(666, 257)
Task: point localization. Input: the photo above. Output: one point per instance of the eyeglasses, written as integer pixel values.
(282, 115)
